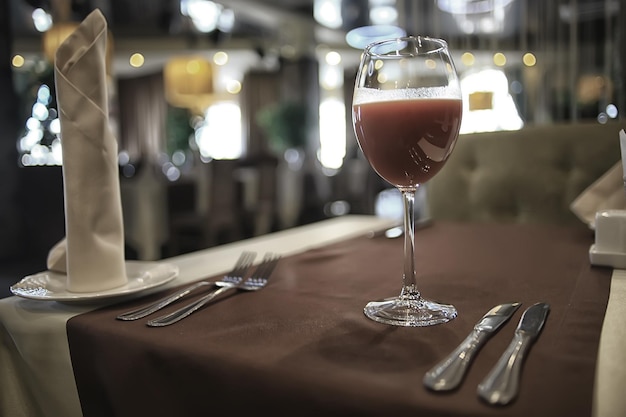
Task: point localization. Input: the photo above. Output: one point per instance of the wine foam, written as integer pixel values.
(364, 95)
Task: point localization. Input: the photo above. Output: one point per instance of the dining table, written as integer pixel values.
(302, 346)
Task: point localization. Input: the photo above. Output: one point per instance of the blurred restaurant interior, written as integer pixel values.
(233, 117)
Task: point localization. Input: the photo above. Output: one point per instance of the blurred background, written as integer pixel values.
(233, 117)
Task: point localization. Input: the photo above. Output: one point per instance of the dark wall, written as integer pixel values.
(10, 218)
(31, 199)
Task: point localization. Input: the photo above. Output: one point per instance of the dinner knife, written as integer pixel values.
(502, 384)
(449, 373)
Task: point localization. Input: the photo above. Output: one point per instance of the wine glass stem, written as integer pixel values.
(409, 285)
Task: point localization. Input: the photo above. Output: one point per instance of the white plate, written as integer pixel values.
(50, 285)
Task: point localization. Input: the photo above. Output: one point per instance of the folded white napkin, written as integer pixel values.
(606, 193)
(92, 252)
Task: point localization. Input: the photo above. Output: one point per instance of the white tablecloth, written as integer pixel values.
(36, 377)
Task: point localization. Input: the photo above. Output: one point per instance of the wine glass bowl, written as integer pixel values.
(406, 114)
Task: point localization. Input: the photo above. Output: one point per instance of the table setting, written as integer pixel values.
(491, 319)
(305, 340)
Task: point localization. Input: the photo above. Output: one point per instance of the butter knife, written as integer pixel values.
(502, 384)
(449, 373)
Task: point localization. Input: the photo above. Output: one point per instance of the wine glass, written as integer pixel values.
(406, 113)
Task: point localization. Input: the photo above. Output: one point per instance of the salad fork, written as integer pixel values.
(234, 276)
(253, 283)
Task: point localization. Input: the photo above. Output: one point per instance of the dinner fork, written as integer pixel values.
(235, 276)
(255, 282)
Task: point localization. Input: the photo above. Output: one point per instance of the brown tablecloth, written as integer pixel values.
(302, 346)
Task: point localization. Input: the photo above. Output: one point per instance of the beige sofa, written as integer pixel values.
(527, 176)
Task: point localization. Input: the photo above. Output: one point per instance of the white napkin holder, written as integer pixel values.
(610, 243)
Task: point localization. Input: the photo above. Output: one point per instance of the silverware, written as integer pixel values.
(449, 373)
(255, 282)
(236, 274)
(502, 384)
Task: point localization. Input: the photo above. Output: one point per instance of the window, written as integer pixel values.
(220, 136)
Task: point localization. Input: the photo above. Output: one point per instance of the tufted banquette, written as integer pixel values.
(526, 176)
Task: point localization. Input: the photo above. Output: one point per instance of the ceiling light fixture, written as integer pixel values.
(204, 14)
(360, 37)
(328, 13)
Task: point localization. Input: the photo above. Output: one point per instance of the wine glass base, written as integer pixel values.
(399, 311)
